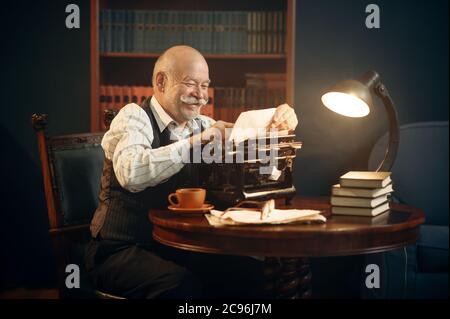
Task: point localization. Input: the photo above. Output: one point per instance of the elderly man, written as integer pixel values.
(139, 173)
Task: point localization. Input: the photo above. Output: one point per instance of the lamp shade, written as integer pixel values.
(353, 98)
(350, 98)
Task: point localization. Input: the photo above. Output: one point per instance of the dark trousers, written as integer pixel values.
(157, 271)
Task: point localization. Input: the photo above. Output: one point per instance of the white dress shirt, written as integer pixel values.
(128, 142)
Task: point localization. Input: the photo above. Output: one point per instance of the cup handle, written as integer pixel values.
(169, 198)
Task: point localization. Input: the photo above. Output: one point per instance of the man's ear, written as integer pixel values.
(160, 81)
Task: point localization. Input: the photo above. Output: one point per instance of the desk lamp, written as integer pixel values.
(353, 98)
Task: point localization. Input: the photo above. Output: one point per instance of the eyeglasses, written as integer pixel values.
(265, 208)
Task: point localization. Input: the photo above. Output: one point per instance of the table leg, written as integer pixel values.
(287, 278)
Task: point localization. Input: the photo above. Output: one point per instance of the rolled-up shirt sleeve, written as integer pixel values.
(128, 145)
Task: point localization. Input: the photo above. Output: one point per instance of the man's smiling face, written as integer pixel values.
(187, 90)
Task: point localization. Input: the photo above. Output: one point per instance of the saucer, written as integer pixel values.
(204, 209)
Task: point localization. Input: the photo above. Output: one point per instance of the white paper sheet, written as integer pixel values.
(249, 122)
(277, 216)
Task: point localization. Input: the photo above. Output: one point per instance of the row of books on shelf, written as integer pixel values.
(230, 102)
(114, 97)
(262, 90)
(362, 194)
(220, 32)
(224, 103)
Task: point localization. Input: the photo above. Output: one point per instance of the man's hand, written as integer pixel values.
(213, 130)
(219, 125)
(284, 118)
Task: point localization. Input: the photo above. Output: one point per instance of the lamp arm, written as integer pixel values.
(394, 132)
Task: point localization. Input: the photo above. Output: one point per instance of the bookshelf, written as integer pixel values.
(266, 46)
(206, 55)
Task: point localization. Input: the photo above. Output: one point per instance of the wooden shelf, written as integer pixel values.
(226, 70)
(207, 56)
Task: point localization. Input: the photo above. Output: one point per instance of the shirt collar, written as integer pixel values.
(164, 119)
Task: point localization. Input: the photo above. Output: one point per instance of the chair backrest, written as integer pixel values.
(77, 162)
(420, 172)
(71, 169)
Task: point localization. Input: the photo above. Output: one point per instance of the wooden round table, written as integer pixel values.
(287, 247)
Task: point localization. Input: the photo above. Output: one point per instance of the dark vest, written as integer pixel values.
(123, 215)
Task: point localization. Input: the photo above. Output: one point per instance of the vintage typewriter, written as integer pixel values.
(261, 169)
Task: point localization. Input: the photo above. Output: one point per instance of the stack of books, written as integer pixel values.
(362, 194)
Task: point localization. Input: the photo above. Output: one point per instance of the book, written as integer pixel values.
(365, 179)
(358, 201)
(360, 211)
(338, 190)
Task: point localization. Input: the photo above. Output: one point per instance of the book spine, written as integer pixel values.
(178, 21)
(264, 32)
(369, 184)
(139, 31)
(358, 201)
(249, 32)
(171, 31)
(359, 211)
(128, 31)
(120, 15)
(126, 95)
(151, 32)
(209, 32)
(103, 106)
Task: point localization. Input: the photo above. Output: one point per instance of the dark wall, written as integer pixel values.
(45, 69)
(409, 51)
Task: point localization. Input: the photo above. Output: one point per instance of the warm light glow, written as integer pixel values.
(345, 104)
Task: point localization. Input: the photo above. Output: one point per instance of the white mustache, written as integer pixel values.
(193, 100)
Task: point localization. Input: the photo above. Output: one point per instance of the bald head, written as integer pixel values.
(180, 82)
(178, 60)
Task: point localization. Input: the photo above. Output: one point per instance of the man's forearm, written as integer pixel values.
(137, 167)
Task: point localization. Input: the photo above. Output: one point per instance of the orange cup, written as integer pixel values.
(188, 197)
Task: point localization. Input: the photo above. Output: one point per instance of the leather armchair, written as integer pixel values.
(71, 171)
(420, 178)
